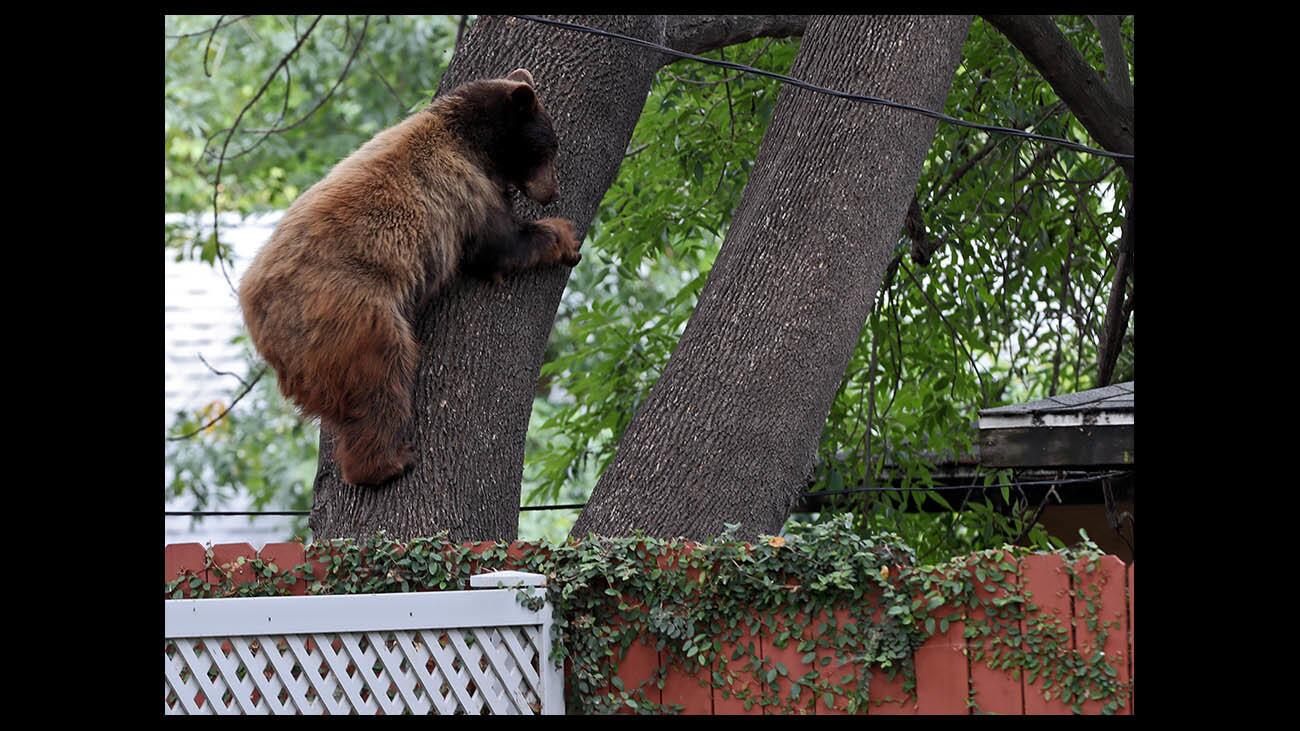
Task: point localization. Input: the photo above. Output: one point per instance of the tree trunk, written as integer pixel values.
(730, 431)
(482, 344)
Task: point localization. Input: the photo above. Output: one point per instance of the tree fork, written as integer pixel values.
(729, 433)
(481, 344)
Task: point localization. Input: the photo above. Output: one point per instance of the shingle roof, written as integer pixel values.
(1116, 397)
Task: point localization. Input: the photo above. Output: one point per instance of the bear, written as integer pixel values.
(329, 300)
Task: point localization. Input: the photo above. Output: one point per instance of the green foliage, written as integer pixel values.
(262, 447)
(400, 61)
(651, 246)
(1008, 308)
(843, 601)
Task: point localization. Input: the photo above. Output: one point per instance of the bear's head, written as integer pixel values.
(504, 122)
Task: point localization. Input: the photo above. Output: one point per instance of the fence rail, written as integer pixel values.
(446, 655)
(457, 652)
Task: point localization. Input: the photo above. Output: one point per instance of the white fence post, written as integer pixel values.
(451, 652)
(552, 674)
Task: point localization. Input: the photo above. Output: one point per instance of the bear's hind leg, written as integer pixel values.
(377, 404)
(370, 454)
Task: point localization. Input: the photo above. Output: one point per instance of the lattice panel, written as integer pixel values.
(489, 670)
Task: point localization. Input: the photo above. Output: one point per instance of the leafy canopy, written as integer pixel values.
(1008, 307)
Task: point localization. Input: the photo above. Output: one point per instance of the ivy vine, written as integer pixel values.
(854, 608)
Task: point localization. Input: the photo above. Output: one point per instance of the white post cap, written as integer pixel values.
(506, 580)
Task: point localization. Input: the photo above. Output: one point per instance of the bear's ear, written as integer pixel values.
(522, 75)
(522, 97)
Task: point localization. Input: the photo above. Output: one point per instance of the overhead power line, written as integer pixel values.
(818, 493)
(1011, 131)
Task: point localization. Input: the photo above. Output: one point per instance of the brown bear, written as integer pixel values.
(328, 300)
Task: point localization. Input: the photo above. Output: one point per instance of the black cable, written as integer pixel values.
(943, 488)
(823, 90)
(575, 506)
(224, 513)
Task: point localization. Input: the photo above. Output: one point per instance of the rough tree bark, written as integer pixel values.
(481, 344)
(730, 431)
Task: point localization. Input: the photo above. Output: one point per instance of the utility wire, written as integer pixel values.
(823, 90)
(820, 493)
(951, 488)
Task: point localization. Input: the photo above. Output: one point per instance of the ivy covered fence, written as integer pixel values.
(820, 620)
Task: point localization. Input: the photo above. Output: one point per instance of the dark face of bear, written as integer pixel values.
(512, 133)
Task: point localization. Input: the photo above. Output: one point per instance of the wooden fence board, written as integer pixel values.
(687, 687)
(995, 690)
(887, 697)
(640, 665)
(1132, 663)
(746, 686)
(228, 553)
(1107, 579)
(1047, 586)
(941, 670)
(835, 670)
(181, 557)
(285, 556)
(791, 658)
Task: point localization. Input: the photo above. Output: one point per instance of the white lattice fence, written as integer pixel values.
(471, 652)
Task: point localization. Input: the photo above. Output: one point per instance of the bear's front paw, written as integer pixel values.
(566, 241)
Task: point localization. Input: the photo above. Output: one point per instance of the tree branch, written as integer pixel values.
(247, 387)
(321, 102)
(221, 159)
(220, 24)
(1117, 311)
(460, 31)
(1112, 49)
(1102, 113)
(923, 247)
(699, 33)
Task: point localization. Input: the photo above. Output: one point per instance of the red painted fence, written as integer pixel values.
(945, 675)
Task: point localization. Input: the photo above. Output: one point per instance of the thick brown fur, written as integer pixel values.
(327, 300)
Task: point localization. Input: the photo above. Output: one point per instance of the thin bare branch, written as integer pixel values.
(988, 147)
(321, 102)
(284, 109)
(379, 75)
(222, 373)
(1060, 309)
(221, 160)
(206, 31)
(222, 415)
(207, 50)
(731, 113)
